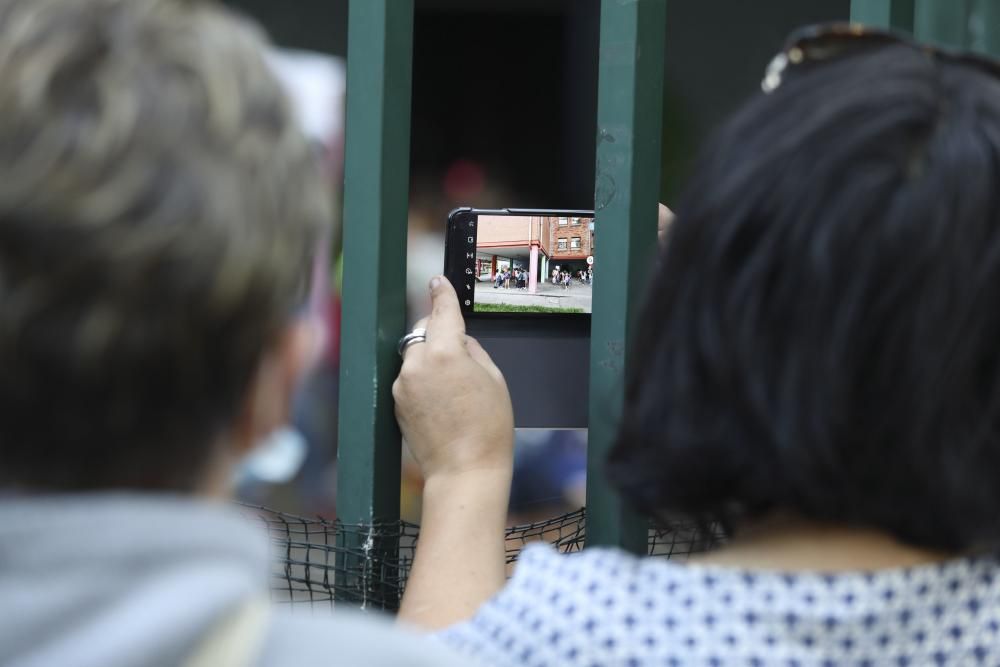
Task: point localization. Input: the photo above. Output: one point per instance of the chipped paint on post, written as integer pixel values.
(376, 189)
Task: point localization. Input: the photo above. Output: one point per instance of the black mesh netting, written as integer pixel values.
(320, 561)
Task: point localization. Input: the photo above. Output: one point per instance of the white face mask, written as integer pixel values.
(276, 459)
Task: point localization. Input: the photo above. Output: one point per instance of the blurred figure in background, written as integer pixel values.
(297, 471)
(550, 474)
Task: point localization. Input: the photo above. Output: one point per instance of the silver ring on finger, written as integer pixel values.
(412, 338)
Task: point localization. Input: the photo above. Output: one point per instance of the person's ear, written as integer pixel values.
(267, 405)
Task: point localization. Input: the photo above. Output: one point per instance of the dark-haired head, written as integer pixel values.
(823, 334)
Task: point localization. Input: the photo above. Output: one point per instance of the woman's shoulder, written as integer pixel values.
(577, 608)
(598, 567)
(542, 565)
(605, 606)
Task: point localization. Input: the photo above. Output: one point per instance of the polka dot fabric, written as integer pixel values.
(604, 607)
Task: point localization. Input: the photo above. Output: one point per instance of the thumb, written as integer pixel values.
(445, 325)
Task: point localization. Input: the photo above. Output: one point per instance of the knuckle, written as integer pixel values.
(403, 382)
(399, 393)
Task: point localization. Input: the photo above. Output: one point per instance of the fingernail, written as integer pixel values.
(435, 281)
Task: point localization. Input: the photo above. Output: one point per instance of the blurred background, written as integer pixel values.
(504, 114)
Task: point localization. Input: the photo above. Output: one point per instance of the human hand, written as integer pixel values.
(452, 403)
(454, 410)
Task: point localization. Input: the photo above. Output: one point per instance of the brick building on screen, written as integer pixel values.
(538, 244)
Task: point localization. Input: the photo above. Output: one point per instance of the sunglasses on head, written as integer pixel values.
(823, 43)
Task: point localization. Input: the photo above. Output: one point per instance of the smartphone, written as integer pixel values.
(534, 263)
(524, 279)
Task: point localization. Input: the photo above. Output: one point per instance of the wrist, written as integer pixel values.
(479, 495)
(484, 479)
(459, 460)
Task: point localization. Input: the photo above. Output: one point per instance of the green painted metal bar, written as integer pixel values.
(985, 27)
(376, 189)
(897, 14)
(944, 22)
(630, 113)
(961, 24)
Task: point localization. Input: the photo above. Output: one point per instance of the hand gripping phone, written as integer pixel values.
(524, 280)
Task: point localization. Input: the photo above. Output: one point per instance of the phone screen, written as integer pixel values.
(522, 262)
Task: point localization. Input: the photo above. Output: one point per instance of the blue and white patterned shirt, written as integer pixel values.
(605, 607)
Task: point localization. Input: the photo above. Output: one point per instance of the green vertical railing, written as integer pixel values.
(898, 14)
(376, 188)
(986, 36)
(630, 113)
(959, 24)
(944, 22)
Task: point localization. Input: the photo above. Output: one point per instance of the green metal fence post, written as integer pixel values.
(376, 186)
(630, 106)
(986, 27)
(959, 24)
(898, 14)
(944, 22)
